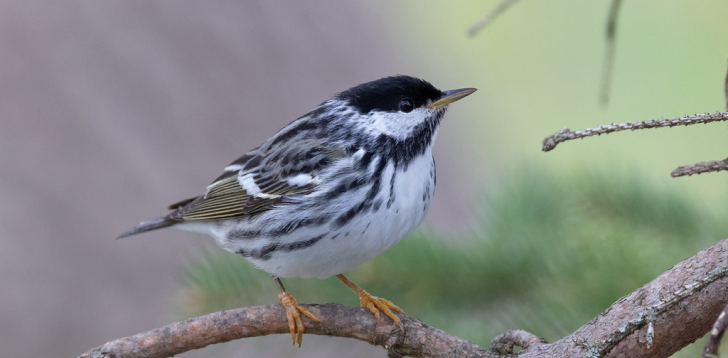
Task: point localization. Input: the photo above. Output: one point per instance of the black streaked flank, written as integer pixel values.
(251, 234)
(363, 163)
(344, 218)
(377, 176)
(391, 190)
(346, 186)
(266, 252)
(376, 206)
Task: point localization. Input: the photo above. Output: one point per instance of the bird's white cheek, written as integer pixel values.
(398, 125)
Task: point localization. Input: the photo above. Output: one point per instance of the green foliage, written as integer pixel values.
(547, 255)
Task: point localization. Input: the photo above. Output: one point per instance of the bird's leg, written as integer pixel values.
(293, 312)
(373, 303)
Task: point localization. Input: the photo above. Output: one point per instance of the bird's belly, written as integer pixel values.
(328, 250)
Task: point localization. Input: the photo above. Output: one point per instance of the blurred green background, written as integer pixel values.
(111, 110)
(553, 239)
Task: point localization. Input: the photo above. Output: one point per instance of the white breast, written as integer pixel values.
(339, 249)
(366, 235)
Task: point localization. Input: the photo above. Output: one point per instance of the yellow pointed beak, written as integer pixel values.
(451, 96)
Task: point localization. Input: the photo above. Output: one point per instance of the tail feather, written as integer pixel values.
(150, 225)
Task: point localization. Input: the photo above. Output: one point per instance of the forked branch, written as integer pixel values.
(658, 319)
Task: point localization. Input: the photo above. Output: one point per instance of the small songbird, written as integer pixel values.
(328, 192)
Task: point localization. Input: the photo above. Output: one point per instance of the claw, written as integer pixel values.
(376, 304)
(373, 303)
(293, 315)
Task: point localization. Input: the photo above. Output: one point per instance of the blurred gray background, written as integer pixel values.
(111, 110)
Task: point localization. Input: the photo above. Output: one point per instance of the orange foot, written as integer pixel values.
(373, 303)
(293, 314)
(376, 304)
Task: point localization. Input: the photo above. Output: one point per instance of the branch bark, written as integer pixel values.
(699, 168)
(658, 319)
(565, 134)
(420, 340)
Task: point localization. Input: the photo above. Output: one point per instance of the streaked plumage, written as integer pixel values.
(332, 189)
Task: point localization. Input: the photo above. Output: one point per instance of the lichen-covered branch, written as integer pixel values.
(565, 134)
(666, 314)
(650, 314)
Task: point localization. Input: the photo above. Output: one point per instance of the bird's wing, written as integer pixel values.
(257, 182)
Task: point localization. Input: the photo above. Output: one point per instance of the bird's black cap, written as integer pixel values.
(386, 93)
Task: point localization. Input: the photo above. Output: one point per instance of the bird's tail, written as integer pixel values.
(150, 225)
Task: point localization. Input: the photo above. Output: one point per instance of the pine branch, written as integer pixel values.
(657, 320)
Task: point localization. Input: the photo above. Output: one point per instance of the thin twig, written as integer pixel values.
(611, 35)
(699, 168)
(716, 334)
(565, 134)
(490, 17)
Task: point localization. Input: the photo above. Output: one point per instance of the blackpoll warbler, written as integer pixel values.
(328, 192)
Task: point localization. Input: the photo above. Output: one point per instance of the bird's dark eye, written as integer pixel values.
(406, 105)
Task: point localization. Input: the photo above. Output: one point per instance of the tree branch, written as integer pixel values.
(657, 320)
(420, 340)
(699, 168)
(565, 134)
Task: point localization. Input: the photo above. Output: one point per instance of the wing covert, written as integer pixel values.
(260, 180)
